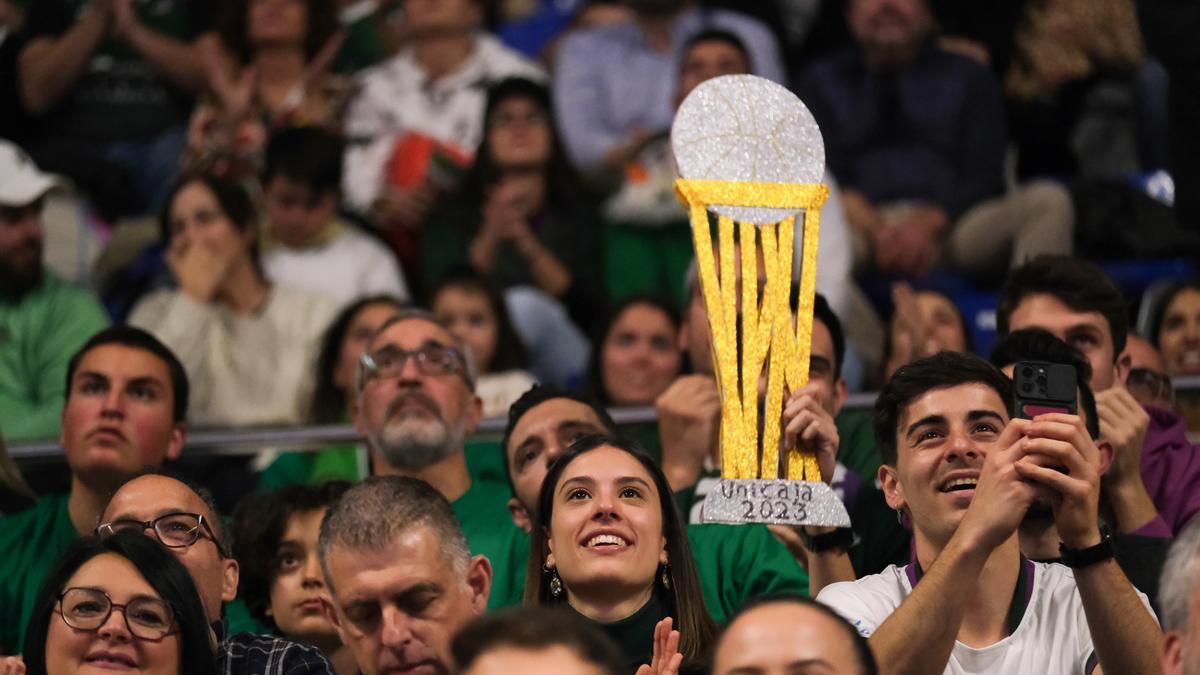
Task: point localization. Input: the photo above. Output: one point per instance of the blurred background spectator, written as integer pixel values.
(636, 356)
(418, 115)
(43, 319)
(270, 71)
(111, 83)
(521, 217)
(305, 244)
(613, 84)
(247, 345)
(879, 115)
(1176, 333)
(475, 313)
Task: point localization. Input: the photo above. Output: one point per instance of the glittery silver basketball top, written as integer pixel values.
(747, 128)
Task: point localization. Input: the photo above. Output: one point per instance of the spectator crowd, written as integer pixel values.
(418, 217)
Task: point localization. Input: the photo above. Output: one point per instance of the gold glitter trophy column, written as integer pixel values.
(750, 151)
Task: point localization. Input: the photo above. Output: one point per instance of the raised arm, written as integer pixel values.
(179, 62)
(918, 637)
(1124, 633)
(49, 66)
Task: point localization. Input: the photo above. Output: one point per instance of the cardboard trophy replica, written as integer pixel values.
(751, 152)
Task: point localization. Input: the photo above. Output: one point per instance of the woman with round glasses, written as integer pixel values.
(612, 549)
(118, 603)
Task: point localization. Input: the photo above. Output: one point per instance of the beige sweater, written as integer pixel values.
(244, 370)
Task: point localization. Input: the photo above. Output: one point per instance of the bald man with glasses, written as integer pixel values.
(182, 518)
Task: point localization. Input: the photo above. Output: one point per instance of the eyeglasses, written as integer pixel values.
(174, 530)
(433, 360)
(89, 608)
(1148, 386)
(506, 120)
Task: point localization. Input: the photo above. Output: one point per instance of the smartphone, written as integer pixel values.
(1042, 387)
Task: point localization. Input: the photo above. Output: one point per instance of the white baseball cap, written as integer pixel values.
(20, 181)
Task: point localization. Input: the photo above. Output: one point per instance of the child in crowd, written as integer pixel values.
(306, 244)
(476, 314)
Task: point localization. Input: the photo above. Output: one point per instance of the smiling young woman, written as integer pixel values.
(613, 549)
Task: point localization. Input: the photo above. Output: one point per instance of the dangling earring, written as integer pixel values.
(899, 516)
(556, 585)
(665, 576)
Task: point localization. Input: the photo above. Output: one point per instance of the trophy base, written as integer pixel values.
(782, 502)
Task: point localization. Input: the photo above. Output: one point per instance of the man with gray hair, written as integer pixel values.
(1179, 597)
(401, 579)
(416, 406)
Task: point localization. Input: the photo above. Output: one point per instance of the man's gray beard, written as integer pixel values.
(414, 444)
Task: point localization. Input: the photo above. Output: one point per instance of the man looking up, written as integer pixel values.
(402, 581)
(1155, 469)
(43, 319)
(734, 562)
(126, 397)
(416, 407)
(183, 518)
(965, 475)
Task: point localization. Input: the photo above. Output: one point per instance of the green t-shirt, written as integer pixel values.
(483, 514)
(38, 336)
(30, 544)
(739, 562)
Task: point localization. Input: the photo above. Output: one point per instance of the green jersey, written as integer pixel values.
(483, 514)
(30, 542)
(739, 562)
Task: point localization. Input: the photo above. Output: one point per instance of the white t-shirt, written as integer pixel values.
(395, 97)
(349, 266)
(1052, 639)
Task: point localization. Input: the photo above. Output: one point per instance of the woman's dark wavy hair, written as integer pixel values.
(329, 401)
(563, 183)
(509, 353)
(233, 25)
(595, 371)
(233, 199)
(165, 574)
(684, 601)
(258, 526)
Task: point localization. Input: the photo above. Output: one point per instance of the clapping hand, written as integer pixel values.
(666, 659)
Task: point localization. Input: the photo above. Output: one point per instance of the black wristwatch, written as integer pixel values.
(841, 538)
(1085, 557)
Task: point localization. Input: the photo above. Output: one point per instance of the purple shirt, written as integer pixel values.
(1171, 468)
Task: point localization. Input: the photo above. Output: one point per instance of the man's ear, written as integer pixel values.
(331, 613)
(892, 491)
(356, 416)
(1172, 660)
(178, 439)
(520, 515)
(474, 412)
(1121, 367)
(840, 393)
(479, 579)
(229, 579)
(1106, 455)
